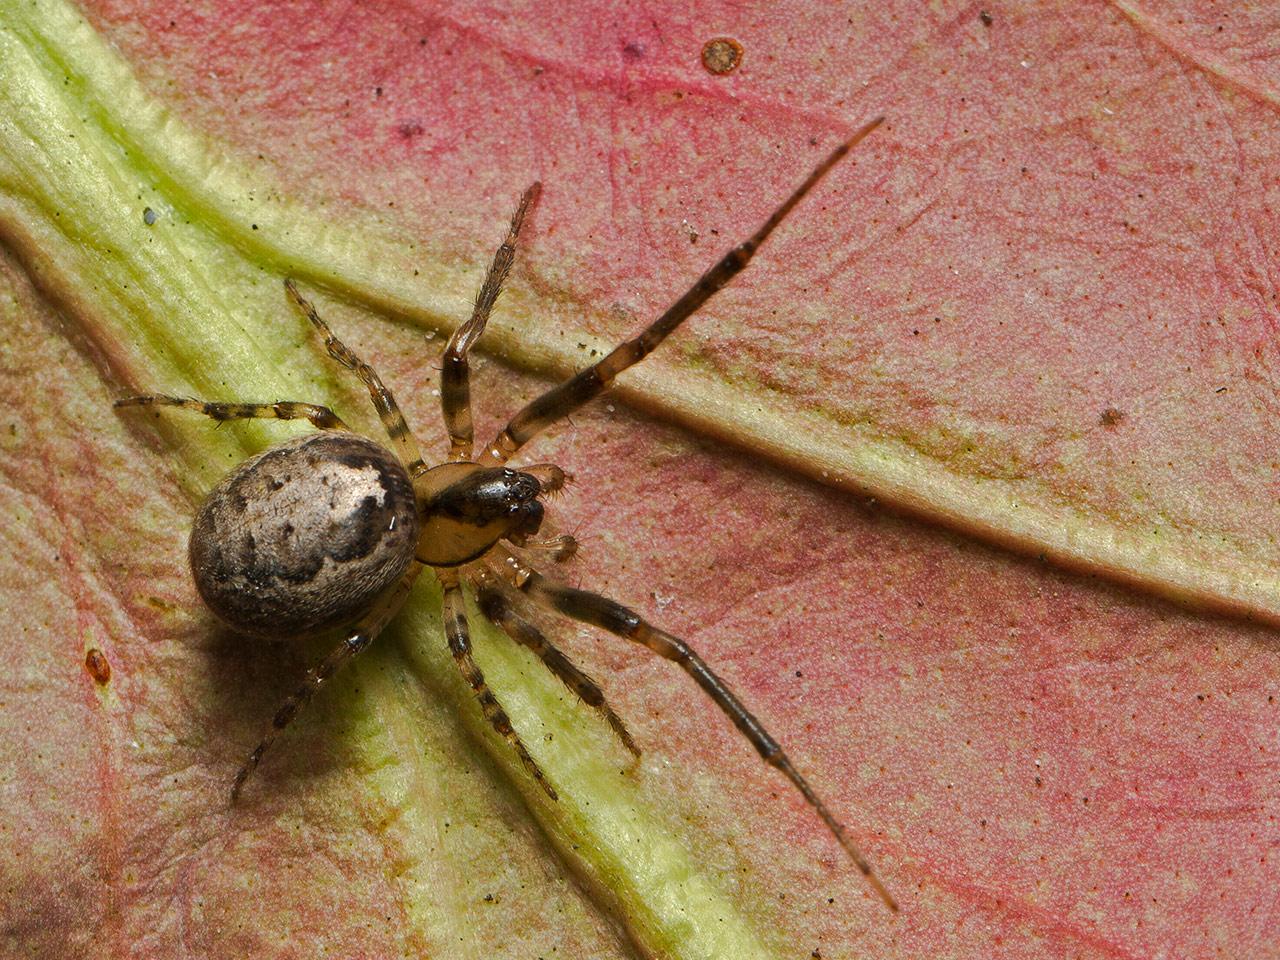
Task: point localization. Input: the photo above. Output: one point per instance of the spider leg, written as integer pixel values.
(366, 630)
(321, 418)
(561, 548)
(455, 628)
(562, 400)
(455, 375)
(612, 616)
(388, 410)
(495, 606)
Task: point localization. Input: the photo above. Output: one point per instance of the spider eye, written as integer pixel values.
(521, 488)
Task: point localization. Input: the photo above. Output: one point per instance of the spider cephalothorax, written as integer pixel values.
(332, 529)
(470, 508)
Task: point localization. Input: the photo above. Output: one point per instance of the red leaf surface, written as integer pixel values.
(1036, 310)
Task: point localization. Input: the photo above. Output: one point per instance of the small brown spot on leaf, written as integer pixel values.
(408, 129)
(986, 18)
(721, 55)
(97, 665)
(1110, 417)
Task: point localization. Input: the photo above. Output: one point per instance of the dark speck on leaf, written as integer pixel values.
(986, 18)
(149, 216)
(1110, 417)
(97, 665)
(721, 55)
(633, 50)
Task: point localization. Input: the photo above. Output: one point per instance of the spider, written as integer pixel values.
(331, 529)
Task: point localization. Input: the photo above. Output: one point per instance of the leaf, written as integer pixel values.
(1012, 313)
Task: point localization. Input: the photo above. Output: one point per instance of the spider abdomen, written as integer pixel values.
(304, 536)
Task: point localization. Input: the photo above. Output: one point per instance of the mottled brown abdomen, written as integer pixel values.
(304, 536)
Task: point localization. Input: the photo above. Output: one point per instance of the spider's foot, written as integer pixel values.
(624, 735)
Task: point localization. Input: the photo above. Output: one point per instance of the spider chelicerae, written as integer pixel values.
(331, 529)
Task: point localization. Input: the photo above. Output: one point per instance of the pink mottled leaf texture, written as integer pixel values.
(969, 486)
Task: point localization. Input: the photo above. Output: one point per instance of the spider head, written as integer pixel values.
(469, 508)
(528, 519)
(516, 504)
